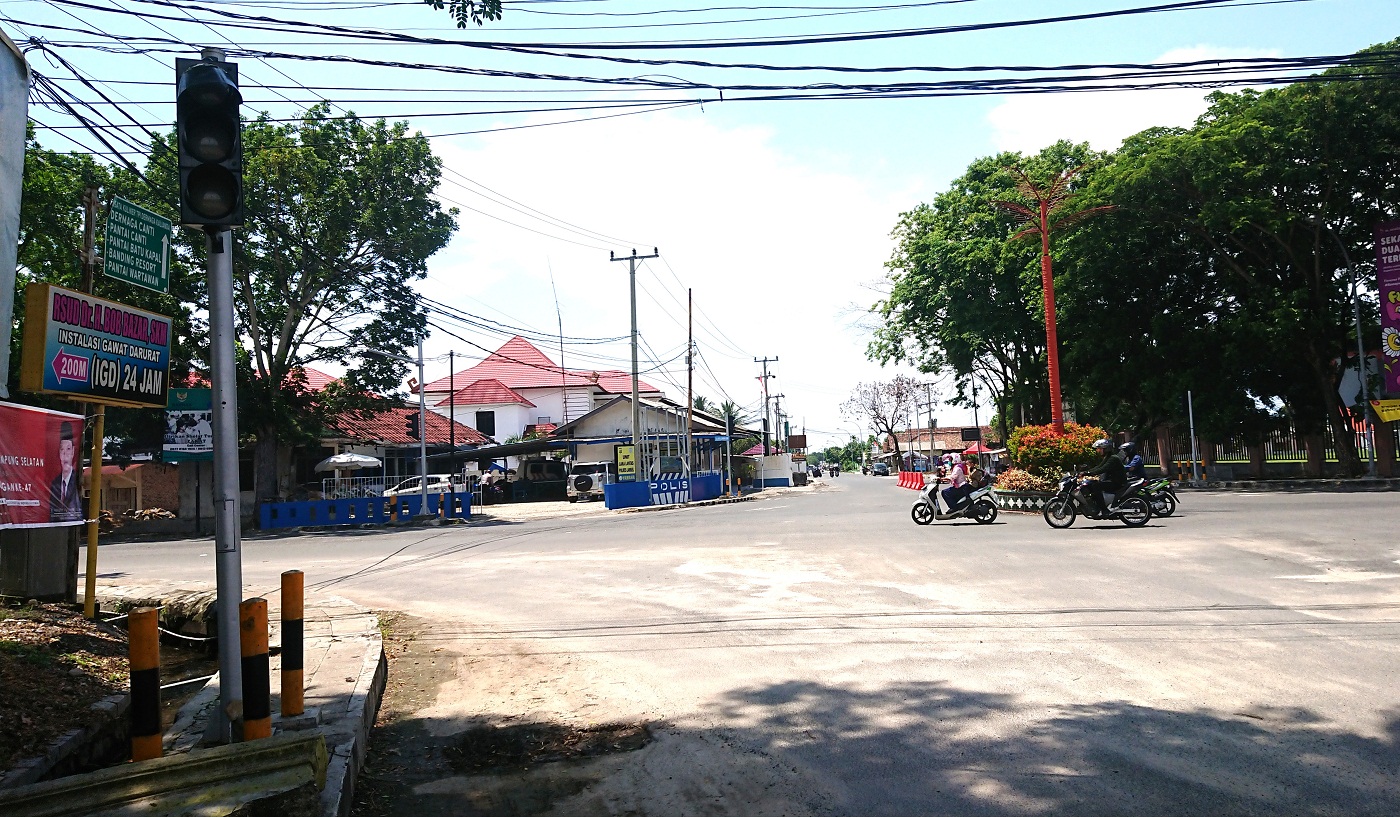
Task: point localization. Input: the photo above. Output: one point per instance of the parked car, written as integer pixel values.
(586, 479)
(880, 469)
(437, 484)
(539, 479)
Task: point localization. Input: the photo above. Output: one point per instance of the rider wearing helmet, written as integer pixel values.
(1132, 461)
(1111, 475)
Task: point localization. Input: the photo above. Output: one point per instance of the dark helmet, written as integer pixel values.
(1102, 445)
(1128, 448)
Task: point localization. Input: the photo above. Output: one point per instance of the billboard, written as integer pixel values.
(189, 430)
(41, 482)
(1388, 278)
(92, 349)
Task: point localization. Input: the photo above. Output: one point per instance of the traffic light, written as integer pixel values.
(411, 424)
(210, 143)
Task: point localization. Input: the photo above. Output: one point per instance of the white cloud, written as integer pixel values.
(1103, 119)
(775, 249)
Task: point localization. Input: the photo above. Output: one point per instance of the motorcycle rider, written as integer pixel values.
(1133, 463)
(955, 494)
(1112, 477)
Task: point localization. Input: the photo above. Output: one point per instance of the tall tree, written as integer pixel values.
(883, 406)
(340, 220)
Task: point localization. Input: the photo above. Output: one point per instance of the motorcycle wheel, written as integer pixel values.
(984, 512)
(921, 513)
(1134, 512)
(1163, 504)
(1059, 512)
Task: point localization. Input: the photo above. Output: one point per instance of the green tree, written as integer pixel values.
(964, 297)
(465, 11)
(340, 219)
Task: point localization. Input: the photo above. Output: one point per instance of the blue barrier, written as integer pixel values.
(360, 511)
(626, 495)
(706, 486)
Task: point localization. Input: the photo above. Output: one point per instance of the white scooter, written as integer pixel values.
(979, 506)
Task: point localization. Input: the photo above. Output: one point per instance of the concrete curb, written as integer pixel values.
(1326, 485)
(71, 743)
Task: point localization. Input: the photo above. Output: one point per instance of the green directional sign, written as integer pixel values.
(138, 246)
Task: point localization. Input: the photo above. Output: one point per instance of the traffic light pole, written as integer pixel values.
(228, 564)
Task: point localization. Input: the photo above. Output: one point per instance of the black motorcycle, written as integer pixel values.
(1128, 507)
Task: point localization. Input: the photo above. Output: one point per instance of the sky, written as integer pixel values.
(775, 214)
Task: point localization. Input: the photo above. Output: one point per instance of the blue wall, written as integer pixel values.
(359, 511)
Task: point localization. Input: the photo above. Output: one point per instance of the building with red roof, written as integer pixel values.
(518, 386)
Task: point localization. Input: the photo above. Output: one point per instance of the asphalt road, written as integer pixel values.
(819, 653)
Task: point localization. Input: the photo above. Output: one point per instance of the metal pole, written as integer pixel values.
(1191, 418)
(228, 562)
(422, 431)
(1361, 370)
(729, 453)
(689, 375)
(89, 260)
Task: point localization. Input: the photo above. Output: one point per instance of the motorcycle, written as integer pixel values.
(1161, 496)
(978, 506)
(1069, 501)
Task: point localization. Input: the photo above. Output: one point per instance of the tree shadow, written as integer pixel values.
(919, 748)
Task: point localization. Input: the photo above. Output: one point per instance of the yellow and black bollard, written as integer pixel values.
(293, 610)
(143, 630)
(257, 693)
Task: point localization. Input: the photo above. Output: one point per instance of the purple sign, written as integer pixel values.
(1388, 275)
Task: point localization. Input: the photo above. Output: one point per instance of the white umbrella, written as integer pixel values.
(347, 461)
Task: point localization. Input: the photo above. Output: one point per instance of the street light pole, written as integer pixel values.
(636, 394)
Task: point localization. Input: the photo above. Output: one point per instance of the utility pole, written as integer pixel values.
(99, 416)
(779, 430)
(690, 376)
(764, 379)
(928, 397)
(452, 406)
(423, 432)
(636, 395)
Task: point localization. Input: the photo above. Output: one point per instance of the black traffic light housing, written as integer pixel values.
(411, 424)
(209, 143)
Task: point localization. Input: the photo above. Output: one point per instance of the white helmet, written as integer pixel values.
(1102, 445)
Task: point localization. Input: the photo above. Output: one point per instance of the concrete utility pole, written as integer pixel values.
(764, 379)
(423, 431)
(928, 397)
(636, 395)
(99, 416)
(689, 377)
(779, 429)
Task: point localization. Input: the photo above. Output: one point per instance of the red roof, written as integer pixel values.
(540, 429)
(389, 426)
(520, 365)
(484, 393)
(757, 451)
(317, 380)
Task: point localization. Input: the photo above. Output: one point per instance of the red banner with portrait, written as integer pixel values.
(41, 461)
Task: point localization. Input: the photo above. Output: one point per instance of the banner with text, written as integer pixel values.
(189, 433)
(92, 349)
(1388, 275)
(40, 467)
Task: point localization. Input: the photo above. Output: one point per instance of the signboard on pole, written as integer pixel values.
(137, 248)
(40, 475)
(625, 456)
(972, 434)
(189, 433)
(92, 349)
(1388, 276)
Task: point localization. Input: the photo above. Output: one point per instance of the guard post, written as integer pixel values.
(143, 633)
(257, 693)
(293, 628)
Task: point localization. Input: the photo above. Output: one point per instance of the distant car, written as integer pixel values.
(586, 479)
(437, 484)
(880, 469)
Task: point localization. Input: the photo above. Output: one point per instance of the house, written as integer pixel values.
(384, 436)
(518, 386)
(594, 436)
(138, 486)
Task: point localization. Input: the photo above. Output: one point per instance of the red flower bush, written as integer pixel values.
(1045, 453)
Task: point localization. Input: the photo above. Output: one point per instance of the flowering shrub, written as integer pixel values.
(1015, 479)
(1039, 450)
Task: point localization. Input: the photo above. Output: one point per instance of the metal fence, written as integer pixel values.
(1281, 445)
(352, 487)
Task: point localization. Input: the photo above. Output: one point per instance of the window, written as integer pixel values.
(544, 421)
(486, 423)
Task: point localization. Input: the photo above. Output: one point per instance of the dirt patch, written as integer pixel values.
(520, 746)
(55, 664)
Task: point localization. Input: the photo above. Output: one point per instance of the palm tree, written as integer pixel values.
(703, 403)
(732, 413)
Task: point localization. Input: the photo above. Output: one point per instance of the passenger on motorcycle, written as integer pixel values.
(1133, 463)
(1111, 475)
(957, 493)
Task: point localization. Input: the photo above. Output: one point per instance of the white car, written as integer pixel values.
(437, 484)
(586, 479)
